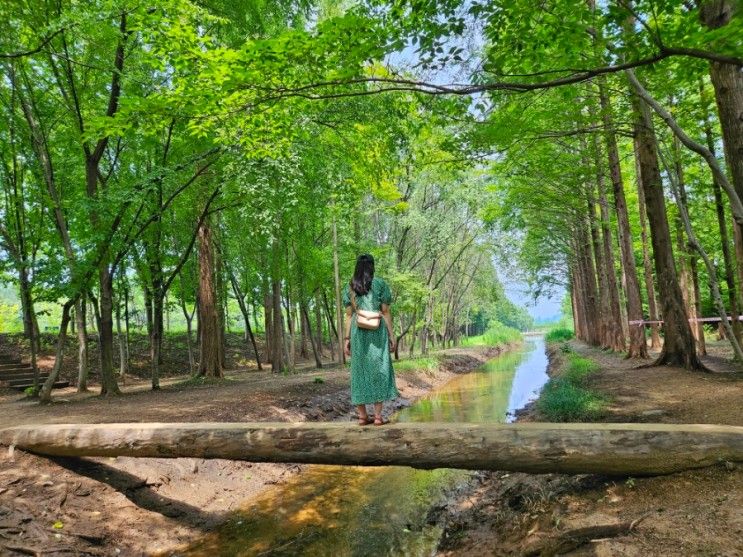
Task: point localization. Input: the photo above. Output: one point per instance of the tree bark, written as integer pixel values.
(210, 343)
(637, 343)
(537, 448)
(45, 395)
(678, 346)
(727, 81)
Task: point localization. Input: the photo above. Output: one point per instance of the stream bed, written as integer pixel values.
(358, 511)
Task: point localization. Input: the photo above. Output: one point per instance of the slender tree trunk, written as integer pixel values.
(277, 327)
(680, 196)
(210, 346)
(268, 321)
(338, 305)
(318, 326)
(157, 335)
(678, 347)
(246, 318)
(306, 317)
(83, 364)
(45, 395)
(120, 335)
(637, 342)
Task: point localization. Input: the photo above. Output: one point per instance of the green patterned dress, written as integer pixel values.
(372, 376)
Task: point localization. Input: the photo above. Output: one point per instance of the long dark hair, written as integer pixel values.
(363, 275)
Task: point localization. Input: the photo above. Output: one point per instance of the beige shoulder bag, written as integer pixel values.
(365, 319)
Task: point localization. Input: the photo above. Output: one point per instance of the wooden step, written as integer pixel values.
(26, 380)
(27, 374)
(5, 359)
(19, 369)
(11, 365)
(57, 385)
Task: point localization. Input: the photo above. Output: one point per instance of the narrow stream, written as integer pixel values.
(337, 510)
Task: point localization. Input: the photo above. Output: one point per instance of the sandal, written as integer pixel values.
(368, 420)
(380, 421)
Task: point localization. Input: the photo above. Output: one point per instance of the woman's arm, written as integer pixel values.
(347, 331)
(387, 315)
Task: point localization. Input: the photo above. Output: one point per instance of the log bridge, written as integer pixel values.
(572, 448)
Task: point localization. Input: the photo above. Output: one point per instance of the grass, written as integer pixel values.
(424, 363)
(566, 399)
(558, 335)
(498, 334)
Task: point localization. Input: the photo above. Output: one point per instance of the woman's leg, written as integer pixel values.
(378, 411)
(363, 416)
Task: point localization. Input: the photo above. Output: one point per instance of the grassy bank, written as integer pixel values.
(497, 335)
(566, 398)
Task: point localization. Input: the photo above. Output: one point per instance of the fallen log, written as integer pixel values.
(612, 449)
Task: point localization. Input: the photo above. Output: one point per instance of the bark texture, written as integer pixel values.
(613, 449)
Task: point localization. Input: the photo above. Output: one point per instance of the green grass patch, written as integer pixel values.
(578, 369)
(497, 335)
(428, 364)
(559, 335)
(563, 401)
(566, 399)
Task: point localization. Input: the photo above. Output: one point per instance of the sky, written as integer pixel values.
(544, 308)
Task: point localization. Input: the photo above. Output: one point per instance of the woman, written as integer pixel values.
(372, 376)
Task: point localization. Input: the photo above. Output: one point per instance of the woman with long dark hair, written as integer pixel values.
(369, 340)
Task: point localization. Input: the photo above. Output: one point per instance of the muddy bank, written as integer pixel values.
(699, 512)
(129, 506)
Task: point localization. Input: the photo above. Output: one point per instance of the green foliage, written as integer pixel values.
(558, 335)
(497, 335)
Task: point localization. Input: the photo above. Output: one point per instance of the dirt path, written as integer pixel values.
(691, 513)
(129, 506)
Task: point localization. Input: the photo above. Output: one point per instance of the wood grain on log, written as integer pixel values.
(613, 449)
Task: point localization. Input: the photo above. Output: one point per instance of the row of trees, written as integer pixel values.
(142, 153)
(627, 186)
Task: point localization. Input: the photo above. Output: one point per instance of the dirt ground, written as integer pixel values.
(691, 513)
(141, 506)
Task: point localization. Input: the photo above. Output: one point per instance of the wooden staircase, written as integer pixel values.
(17, 375)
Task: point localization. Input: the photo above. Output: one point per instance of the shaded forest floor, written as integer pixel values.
(691, 513)
(130, 506)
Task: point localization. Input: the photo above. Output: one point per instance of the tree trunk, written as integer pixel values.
(306, 318)
(637, 343)
(278, 363)
(727, 81)
(210, 343)
(246, 318)
(647, 268)
(338, 305)
(45, 395)
(83, 363)
(678, 347)
(733, 295)
(536, 448)
(109, 385)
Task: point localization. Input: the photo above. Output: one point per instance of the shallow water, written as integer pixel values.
(348, 510)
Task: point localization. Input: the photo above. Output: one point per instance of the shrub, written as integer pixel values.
(559, 335)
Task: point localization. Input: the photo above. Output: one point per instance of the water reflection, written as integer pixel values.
(335, 510)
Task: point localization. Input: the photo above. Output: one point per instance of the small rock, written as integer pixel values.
(655, 412)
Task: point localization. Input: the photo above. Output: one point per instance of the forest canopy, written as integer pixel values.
(208, 156)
